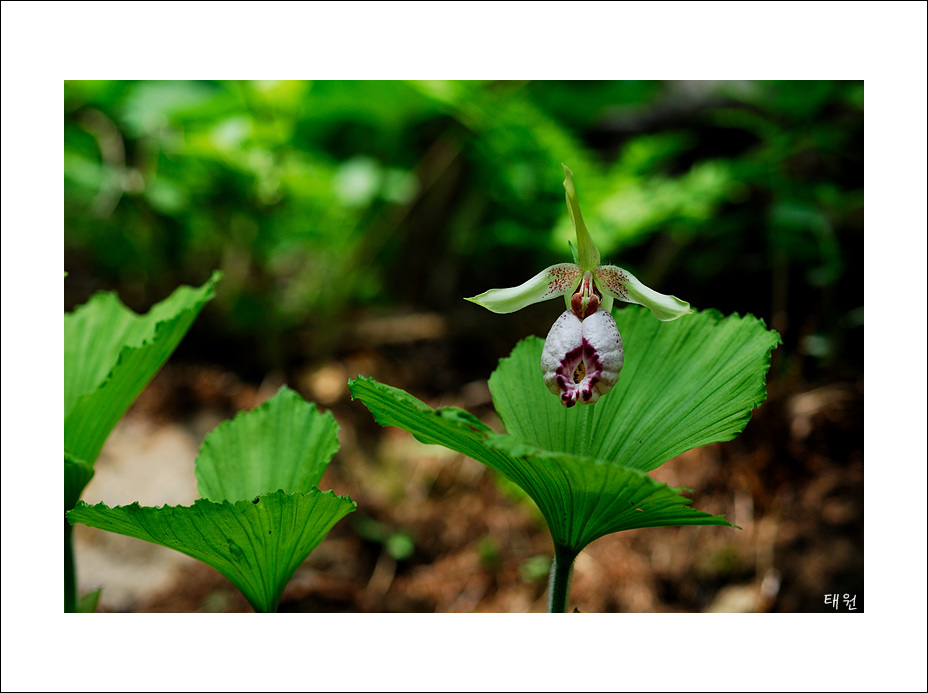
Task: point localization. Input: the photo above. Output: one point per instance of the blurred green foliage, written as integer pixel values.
(535, 569)
(399, 545)
(322, 201)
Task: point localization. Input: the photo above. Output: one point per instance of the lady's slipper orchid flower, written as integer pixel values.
(582, 359)
(583, 353)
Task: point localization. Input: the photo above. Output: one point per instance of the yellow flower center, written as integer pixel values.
(579, 372)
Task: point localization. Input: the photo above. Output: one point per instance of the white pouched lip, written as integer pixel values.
(581, 360)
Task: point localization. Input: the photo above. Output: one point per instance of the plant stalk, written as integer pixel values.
(70, 581)
(559, 584)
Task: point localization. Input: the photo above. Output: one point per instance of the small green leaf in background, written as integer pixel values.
(112, 353)
(398, 544)
(88, 603)
(535, 569)
(255, 536)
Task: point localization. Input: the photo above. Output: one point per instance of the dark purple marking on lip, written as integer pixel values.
(584, 354)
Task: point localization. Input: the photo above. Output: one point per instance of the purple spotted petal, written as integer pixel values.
(581, 360)
(623, 285)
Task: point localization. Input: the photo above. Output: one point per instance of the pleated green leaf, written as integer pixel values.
(286, 443)
(77, 474)
(685, 383)
(88, 603)
(111, 354)
(581, 498)
(257, 543)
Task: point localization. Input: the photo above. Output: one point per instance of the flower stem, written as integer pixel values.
(559, 584)
(70, 582)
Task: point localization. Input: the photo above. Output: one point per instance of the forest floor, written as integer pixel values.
(437, 532)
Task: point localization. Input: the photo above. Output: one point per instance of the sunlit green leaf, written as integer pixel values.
(256, 543)
(77, 474)
(685, 383)
(264, 515)
(88, 603)
(286, 443)
(111, 354)
(581, 498)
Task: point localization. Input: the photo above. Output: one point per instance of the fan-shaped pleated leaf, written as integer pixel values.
(286, 443)
(111, 354)
(258, 543)
(581, 498)
(685, 383)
